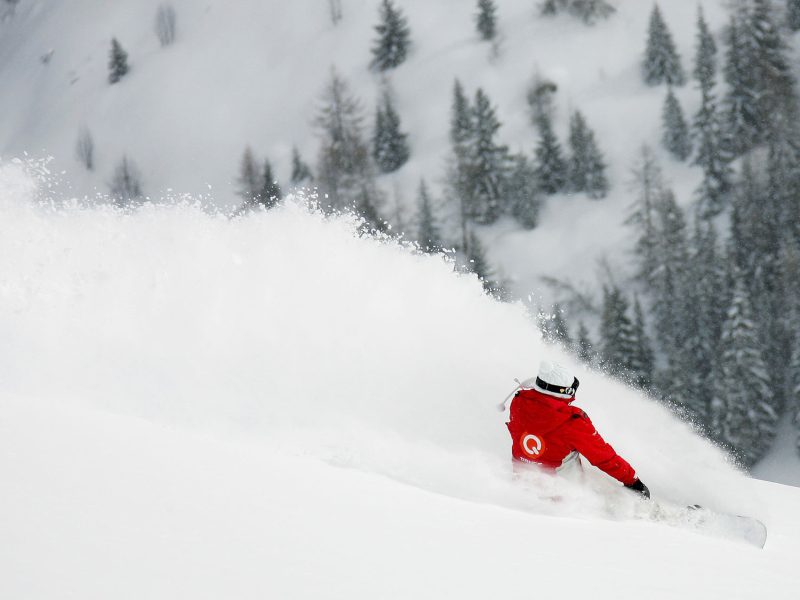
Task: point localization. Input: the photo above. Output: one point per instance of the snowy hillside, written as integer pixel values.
(204, 406)
(253, 72)
(194, 406)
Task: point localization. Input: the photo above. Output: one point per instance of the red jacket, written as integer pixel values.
(545, 429)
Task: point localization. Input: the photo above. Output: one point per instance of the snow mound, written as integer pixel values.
(294, 329)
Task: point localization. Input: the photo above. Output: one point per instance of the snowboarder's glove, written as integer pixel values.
(640, 488)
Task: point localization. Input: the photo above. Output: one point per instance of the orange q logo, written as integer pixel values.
(532, 445)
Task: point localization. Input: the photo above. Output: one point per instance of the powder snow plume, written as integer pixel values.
(291, 328)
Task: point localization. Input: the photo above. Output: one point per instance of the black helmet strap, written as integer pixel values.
(557, 389)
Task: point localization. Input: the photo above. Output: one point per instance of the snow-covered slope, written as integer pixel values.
(193, 405)
(96, 506)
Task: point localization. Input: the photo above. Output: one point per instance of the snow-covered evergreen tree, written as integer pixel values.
(166, 24)
(522, 192)
(486, 19)
(301, 172)
(429, 234)
(662, 64)
(676, 137)
(793, 14)
(84, 148)
(390, 145)
(126, 185)
(553, 7)
(335, 7)
(643, 359)
(461, 135)
(775, 80)
(394, 38)
(366, 206)
(556, 330)
(118, 63)
(488, 161)
(270, 193)
(708, 128)
(479, 264)
(345, 173)
(541, 102)
(248, 180)
(740, 103)
(586, 168)
(617, 338)
(666, 280)
(551, 168)
(687, 380)
(648, 185)
(589, 11)
(584, 346)
(742, 413)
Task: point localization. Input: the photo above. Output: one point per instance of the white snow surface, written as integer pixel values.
(274, 406)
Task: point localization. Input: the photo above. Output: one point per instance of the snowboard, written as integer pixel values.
(707, 522)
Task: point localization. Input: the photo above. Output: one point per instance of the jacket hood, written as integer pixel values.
(550, 411)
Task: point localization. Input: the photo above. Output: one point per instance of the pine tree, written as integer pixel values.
(488, 161)
(486, 20)
(479, 264)
(556, 330)
(540, 101)
(667, 281)
(249, 183)
(165, 24)
(618, 344)
(522, 192)
(462, 130)
(676, 136)
(762, 100)
(344, 168)
(551, 168)
(591, 11)
(270, 192)
(553, 7)
(793, 14)
(708, 130)
(587, 10)
(365, 205)
(394, 38)
(662, 255)
(84, 148)
(740, 103)
(795, 382)
(586, 169)
(126, 185)
(429, 237)
(649, 186)
(390, 145)
(643, 359)
(662, 63)
(336, 11)
(742, 412)
(776, 83)
(118, 64)
(705, 310)
(301, 172)
(584, 346)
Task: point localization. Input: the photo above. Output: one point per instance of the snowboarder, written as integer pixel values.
(548, 431)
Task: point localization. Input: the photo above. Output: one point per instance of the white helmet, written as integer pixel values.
(556, 380)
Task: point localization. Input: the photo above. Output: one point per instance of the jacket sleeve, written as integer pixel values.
(585, 439)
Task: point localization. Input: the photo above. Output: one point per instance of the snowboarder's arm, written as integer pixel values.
(589, 443)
